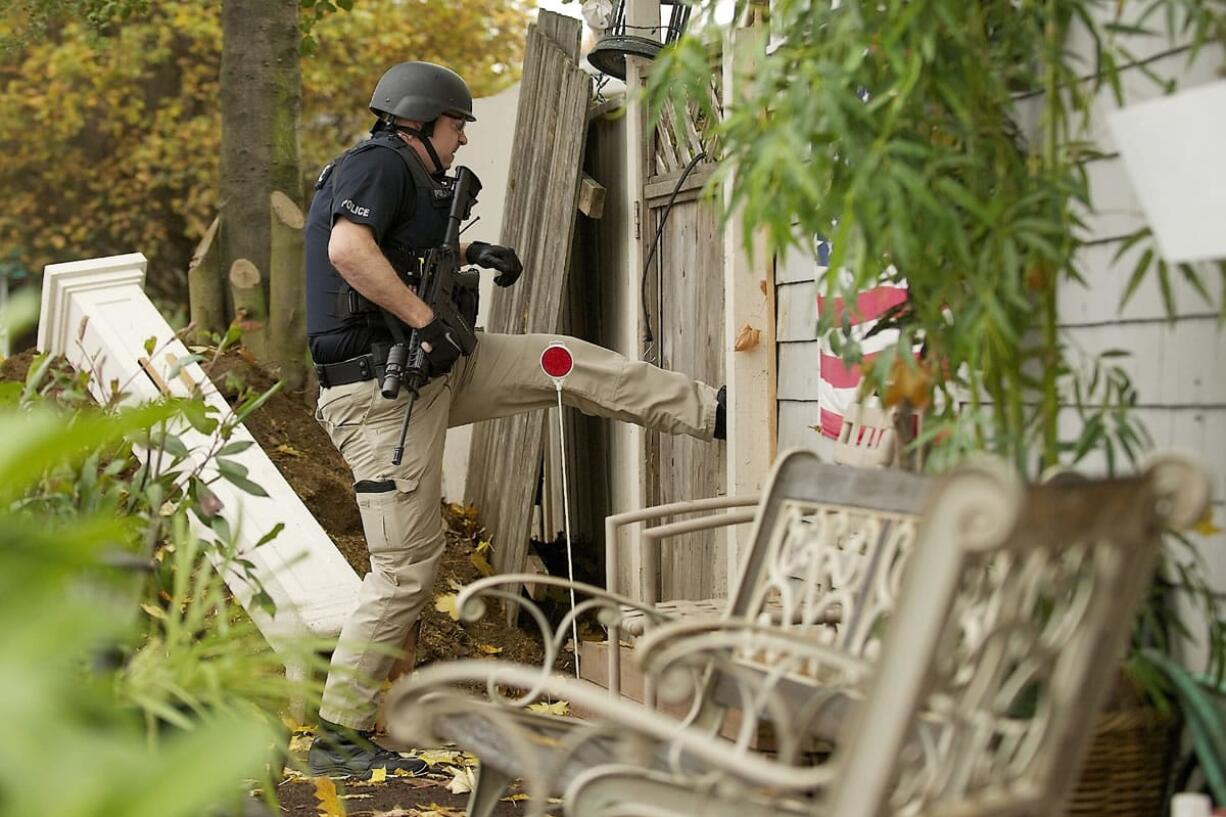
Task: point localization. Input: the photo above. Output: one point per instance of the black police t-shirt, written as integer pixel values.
(372, 186)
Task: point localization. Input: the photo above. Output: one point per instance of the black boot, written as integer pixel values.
(342, 752)
(721, 413)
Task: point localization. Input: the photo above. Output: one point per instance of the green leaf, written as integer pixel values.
(231, 468)
(197, 412)
(272, 534)
(221, 526)
(236, 447)
(36, 441)
(172, 445)
(244, 484)
(1205, 721)
(1164, 287)
(249, 406)
(1190, 275)
(1138, 275)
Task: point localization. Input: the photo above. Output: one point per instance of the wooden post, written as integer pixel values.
(746, 303)
(287, 310)
(206, 296)
(630, 441)
(248, 293)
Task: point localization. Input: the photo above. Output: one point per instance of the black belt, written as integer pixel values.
(353, 370)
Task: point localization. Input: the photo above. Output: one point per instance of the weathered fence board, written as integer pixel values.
(542, 194)
(690, 331)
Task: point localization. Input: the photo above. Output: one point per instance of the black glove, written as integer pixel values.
(494, 256)
(444, 350)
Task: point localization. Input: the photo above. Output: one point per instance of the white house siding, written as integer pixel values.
(798, 353)
(1177, 366)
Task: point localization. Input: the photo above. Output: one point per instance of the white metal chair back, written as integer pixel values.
(1017, 605)
(829, 548)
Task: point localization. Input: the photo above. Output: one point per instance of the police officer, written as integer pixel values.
(377, 209)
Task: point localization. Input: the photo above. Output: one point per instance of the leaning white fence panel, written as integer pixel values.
(96, 314)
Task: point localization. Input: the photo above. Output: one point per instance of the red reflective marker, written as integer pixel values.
(557, 361)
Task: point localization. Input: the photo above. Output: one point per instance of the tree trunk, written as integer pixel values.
(205, 290)
(260, 100)
(287, 306)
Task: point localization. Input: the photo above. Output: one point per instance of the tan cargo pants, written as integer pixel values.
(404, 526)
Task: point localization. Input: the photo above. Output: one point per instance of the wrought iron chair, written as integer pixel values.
(1014, 611)
(1016, 608)
(828, 545)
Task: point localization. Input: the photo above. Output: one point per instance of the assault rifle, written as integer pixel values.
(442, 282)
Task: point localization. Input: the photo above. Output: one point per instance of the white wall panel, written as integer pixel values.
(796, 266)
(1116, 210)
(798, 371)
(796, 311)
(1099, 300)
(1171, 364)
(797, 428)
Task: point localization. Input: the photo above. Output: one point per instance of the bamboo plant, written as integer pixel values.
(944, 145)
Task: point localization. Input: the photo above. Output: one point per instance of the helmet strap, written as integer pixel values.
(423, 135)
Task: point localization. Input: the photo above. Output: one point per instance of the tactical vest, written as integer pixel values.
(426, 228)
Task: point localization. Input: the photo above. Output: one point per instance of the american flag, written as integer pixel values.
(839, 384)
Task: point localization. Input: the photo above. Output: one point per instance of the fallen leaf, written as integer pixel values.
(154, 611)
(328, 804)
(445, 603)
(555, 708)
(482, 564)
(356, 796)
(515, 798)
(462, 780)
(378, 775)
(439, 757)
(300, 744)
(289, 449)
(1205, 526)
(746, 339)
(410, 782)
(485, 546)
(488, 649)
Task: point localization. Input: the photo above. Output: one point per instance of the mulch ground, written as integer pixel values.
(286, 429)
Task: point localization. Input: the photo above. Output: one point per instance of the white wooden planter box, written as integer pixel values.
(97, 315)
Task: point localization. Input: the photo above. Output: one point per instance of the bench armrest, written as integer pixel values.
(609, 608)
(614, 524)
(416, 705)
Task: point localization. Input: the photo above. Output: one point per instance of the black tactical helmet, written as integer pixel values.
(422, 91)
